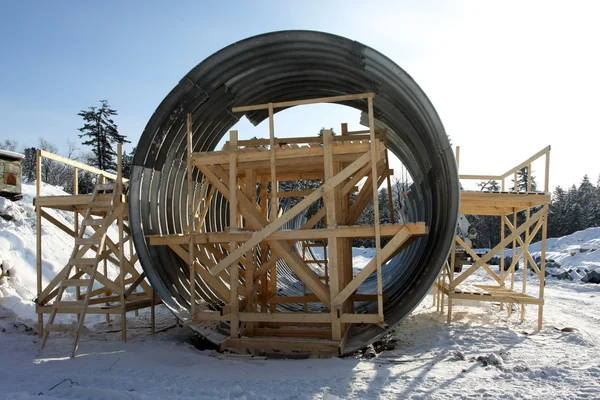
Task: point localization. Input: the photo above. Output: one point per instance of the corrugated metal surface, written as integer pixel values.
(292, 65)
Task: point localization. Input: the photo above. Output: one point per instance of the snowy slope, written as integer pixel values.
(18, 249)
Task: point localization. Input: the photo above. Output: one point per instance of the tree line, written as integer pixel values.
(99, 134)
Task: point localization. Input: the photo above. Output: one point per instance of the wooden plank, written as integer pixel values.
(496, 249)
(360, 318)
(475, 257)
(331, 206)
(294, 332)
(287, 216)
(257, 221)
(527, 162)
(374, 176)
(59, 224)
(234, 225)
(282, 104)
(285, 317)
(394, 243)
(77, 164)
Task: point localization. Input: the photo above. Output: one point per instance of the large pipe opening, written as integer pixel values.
(281, 66)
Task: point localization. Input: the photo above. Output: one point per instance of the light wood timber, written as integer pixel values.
(283, 250)
(287, 216)
(333, 99)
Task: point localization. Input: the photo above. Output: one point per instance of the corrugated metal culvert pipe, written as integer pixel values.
(280, 66)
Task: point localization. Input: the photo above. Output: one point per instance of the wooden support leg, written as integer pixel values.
(333, 242)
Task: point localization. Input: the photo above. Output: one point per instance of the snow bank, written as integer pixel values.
(18, 249)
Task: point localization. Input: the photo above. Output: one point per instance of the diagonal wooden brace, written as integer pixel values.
(536, 217)
(297, 209)
(257, 221)
(401, 237)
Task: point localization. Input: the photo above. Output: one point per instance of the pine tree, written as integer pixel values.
(557, 218)
(489, 186)
(28, 166)
(522, 177)
(586, 196)
(127, 160)
(102, 132)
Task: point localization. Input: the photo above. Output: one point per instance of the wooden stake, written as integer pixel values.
(333, 242)
(374, 160)
(233, 224)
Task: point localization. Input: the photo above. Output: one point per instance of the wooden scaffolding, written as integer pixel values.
(239, 264)
(506, 204)
(94, 250)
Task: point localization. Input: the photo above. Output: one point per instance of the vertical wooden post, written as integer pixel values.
(542, 274)
(121, 224)
(514, 256)
(233, 225)
(264, 284)
(450, 279)
(547, 174)
(333, 243)
(274, 200)
(76, 219)
(190, 199)
(457, 156)
(502, 228)
(374, 159)
(38, 234)
(389, 180)
(250, 255)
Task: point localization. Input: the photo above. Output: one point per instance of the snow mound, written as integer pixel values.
(18, 249)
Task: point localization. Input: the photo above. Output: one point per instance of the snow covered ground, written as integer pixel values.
(482, 354)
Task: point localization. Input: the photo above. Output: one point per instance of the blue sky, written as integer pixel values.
(522, 72)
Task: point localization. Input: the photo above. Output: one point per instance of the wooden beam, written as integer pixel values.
(394, 243)
(498, 247)
(282, 104)
(77, 164)
(257, 221)
(287, 216)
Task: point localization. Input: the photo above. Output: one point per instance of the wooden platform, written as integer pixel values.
(500, 203)
(510, 206)
(496, 294)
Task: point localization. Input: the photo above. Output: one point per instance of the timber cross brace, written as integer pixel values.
(523, 215)
(238, 266)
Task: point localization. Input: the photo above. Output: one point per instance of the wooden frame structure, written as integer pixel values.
(128, 291)
(504, 204)
(239, 264)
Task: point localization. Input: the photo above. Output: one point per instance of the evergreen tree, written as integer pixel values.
(522, 177)
(102, 133)
(127, 160)
(557, 218)
(586, 197)
(489, 186)
(28, 167)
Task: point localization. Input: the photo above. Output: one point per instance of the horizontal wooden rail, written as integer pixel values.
(544, 152)
(80, 165)
(282, 104)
